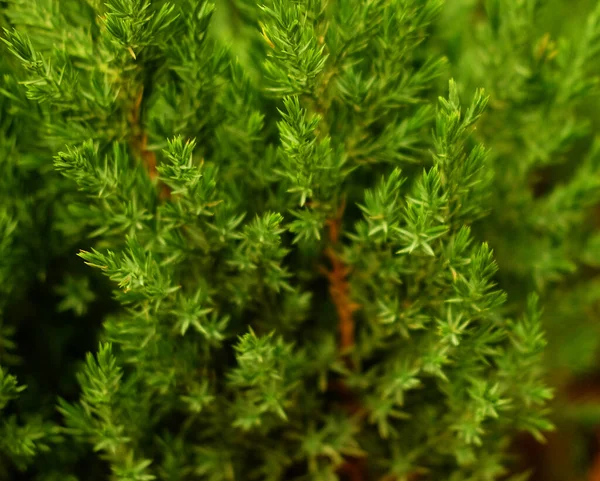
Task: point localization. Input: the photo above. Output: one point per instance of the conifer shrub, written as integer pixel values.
(257, 240)
(538, 61)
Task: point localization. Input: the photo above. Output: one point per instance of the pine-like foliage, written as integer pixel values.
(249, 240)
(538, 61)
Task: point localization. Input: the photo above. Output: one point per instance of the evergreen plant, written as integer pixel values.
(249, 240)
(539, 63)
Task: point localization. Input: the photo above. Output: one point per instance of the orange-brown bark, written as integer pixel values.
(339, 287)
(139, 143)
(353, 469)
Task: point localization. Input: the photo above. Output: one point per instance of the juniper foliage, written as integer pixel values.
(290, 204)
(538, 61)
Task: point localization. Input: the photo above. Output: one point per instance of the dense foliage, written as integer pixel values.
(257, 240)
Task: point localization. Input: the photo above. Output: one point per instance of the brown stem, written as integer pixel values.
(139, 143)
(148, 157)
(353, 469)
(339, 287)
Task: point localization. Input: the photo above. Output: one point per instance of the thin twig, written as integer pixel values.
(139, 143)
(353, 469)
(339, 287)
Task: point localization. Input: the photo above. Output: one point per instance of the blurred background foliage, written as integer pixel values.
(539, 62)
